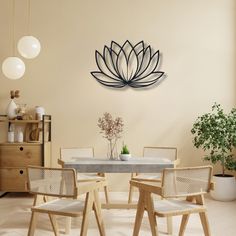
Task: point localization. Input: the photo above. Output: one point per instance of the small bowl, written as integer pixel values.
(125, 157)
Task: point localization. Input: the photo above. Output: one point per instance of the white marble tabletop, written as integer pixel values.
(134, 164)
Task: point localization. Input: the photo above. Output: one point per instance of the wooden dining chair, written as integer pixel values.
(182, 191)
(69, 154)
(168, 154)
(61, 184)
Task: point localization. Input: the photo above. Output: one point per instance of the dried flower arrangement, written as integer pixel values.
(112, 129)
(14, 94)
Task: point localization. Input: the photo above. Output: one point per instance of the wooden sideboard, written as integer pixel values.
(15, 157)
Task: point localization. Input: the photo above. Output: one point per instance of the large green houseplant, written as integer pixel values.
(215, 133)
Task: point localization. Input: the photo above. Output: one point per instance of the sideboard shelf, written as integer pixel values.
(18, 144)
(16, 156)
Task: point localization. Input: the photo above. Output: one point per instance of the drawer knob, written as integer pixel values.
(21, 172)
(21, 148)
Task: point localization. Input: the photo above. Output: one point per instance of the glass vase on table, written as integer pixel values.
(112, 149)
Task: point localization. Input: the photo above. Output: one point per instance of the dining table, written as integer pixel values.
(105, 165)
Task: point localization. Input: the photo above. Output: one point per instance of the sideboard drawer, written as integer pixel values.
(13, 179)
(20, 155)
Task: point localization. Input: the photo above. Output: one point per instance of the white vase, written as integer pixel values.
(224, 189)
(11, 109)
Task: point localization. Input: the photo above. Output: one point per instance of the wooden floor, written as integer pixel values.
(15, 216)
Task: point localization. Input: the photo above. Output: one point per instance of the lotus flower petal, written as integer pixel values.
(103, 65)
(135, 66)
(145, 61)
(132, 64)
(108, 60)
(149, 80)
(108, 81)
(151, 67)
(127, 48)
(139, 47)
(115, 47)
(122, 65)
(114, 59)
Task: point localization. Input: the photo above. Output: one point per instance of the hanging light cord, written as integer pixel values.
(29, 15)
(13, 26)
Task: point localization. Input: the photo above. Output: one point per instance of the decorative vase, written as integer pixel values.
(112, 150)
(11, 109)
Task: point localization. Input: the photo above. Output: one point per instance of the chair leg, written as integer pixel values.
(68, 225)
(184, 222)
(32, 225)
(151, 214)
(87, 211)
(169, 225)
(139, 213)
(131, 191)
(205, 223)
(54, 224)
(106, 194)
(98, 215)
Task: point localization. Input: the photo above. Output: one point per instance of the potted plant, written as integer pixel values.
(215, 133)
(125, 154)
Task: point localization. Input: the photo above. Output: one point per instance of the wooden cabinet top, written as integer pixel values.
(22, 121)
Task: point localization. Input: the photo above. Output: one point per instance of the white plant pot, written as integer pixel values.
(225, 188)
(125, 157)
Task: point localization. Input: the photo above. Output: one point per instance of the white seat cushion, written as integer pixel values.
(156, 176)
(176, 207)
(89, 177)
(68, 207)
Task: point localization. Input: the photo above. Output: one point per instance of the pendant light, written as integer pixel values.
(28, 46)
(13, 67)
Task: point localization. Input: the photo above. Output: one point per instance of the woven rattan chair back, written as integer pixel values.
(169, 153)
(56, 182)
(183, 182)
(67, 154)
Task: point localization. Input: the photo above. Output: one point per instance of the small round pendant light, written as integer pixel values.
(13, 67)
(28, 46)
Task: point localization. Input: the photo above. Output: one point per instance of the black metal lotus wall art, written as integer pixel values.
(127, 65)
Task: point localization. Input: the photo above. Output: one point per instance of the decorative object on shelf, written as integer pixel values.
(13, 67)
(127, 65)
(28, 46)
(111, 129)
(19, 135)
(40, 111)
(12, 107)
(215, 133)
(125, 154)
(10, 135)
(20, 111)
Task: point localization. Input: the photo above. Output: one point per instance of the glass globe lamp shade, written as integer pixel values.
(13, 68)
(29, 47)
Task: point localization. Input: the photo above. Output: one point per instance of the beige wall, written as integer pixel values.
(196, 39)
